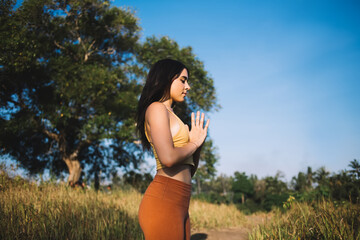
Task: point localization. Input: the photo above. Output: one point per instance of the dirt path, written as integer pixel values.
(221, 234)
(240, 233)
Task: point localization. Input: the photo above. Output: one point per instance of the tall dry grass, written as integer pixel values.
(206, 215)
(55, 211)
(50, 211)
(316, 220)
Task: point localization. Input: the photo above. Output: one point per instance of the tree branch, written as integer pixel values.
(74, 155)
(88, 51)
(50, 134)
(59, 46)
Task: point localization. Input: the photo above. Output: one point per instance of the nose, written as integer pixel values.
(187, 86)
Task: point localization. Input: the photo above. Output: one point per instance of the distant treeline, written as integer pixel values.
(253, 194)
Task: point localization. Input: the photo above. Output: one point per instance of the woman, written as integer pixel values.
(163, 212)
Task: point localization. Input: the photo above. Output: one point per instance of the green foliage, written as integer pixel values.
(251, 194)
(65, 90)
(274, 200)
(249, 207)
(208, 159)
(202, 94)
(270, 192)
(137, 180)
(289, 202)
(344, 186)
(299, 182)
(355, 171)
(214, 190)
(70, 83)
(242, 187)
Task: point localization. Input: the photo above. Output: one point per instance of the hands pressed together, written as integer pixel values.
(198, 131)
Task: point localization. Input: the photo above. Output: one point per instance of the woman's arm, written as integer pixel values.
(157, 116)
(158, 119)
(196, 158)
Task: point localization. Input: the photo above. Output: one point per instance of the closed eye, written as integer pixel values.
(183, 79)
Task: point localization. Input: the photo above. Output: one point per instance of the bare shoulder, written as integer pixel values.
(156, 109)
(156, 106)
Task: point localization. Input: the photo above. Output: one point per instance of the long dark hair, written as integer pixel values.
(157, 88)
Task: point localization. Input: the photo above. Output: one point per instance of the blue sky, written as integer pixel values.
(286, 74)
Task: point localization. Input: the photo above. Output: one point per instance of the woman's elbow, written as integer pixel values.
(168, 164)
(168, 161)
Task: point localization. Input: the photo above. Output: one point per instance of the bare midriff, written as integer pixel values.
(181, 172)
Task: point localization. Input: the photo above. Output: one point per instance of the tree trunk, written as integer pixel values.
(198, 190)
(97, 180)
(242, 198)
(74, 170)
(223, 186)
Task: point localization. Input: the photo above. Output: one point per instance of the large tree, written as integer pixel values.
(65, 87)
(71, 74)
(242, 187)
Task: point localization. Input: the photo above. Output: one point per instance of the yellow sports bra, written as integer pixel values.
(180, 139)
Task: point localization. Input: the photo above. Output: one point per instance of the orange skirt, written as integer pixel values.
(164, 210)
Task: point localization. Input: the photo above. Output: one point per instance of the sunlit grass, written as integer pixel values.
(207, 215)
(316, 220)
(55, 211)
(50, 211)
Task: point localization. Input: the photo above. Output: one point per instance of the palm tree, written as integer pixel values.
(321, 176)
(309, 178)
(299, 183)
(355, 172)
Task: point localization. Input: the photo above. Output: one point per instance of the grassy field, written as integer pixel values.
(316, 220)
(205, 215)
(54, 211)
(28, 211)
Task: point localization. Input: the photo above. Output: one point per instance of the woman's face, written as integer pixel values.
(179, 87)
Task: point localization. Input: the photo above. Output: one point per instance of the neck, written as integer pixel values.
(168, 103)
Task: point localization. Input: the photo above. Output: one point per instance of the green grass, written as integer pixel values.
(317, 220)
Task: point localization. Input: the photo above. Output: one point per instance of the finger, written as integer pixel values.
(207, 125)
(202, 120)
(197, 118)
(192, 120)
